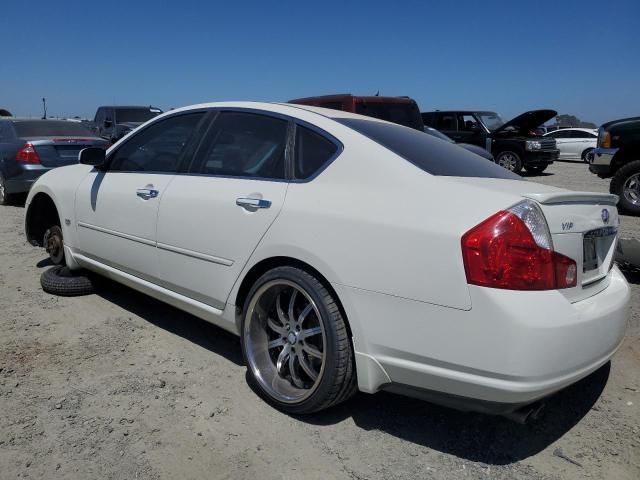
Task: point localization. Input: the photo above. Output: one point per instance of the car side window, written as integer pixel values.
(446, 121)
(467, 123)
(581, 134)
(245, 145)
(158, 147)
(561, 134)
(312, 152)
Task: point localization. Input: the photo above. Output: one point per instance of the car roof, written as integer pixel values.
(277, 107)
(579, 129)
(368, 98)
(129, 106)
(461, 111)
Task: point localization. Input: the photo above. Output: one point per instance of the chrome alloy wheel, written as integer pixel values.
(284, 341)
(508, 160)
(631, 189)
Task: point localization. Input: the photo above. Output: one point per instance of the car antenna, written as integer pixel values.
(377, 94)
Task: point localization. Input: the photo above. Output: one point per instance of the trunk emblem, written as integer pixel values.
(605, 215)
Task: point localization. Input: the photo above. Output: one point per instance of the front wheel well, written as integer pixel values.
(624, 156)
(42, 214)
(267, 264)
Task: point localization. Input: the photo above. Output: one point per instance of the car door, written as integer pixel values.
(117, 209)
(563, 142)
(581, 142)
(211, 219)
(470, 130)
(447, 123)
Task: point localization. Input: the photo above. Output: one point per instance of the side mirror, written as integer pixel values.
(94, 156)
(108, 123)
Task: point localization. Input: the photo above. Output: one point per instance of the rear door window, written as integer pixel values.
(446, 121)
(312, 152)
(426, 152)
(245, 145)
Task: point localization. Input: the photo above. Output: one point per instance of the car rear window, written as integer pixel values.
(51, 128)
(430, 154)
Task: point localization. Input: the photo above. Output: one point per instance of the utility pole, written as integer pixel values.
(44, 108)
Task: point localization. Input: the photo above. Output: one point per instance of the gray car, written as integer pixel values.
(29, 148)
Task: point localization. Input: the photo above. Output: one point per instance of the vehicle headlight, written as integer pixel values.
(533, 145)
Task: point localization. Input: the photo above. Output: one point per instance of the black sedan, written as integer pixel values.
(29, 148)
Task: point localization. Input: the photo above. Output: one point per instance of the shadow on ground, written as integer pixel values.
(534, 175)
(171, 319)
(475, 437)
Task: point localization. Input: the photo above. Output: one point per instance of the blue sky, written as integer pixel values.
(577, 57)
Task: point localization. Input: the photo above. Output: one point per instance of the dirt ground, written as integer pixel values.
(117, 385)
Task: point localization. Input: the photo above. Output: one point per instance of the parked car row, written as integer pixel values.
(321, 238)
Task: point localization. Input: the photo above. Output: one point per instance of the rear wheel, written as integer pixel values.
(626, 184)
(5, 198)
(585, 155)
(295, 343)
(536, 169)
(509, 160)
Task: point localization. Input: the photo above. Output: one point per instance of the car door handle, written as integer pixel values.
(147, 193)
(251, 203)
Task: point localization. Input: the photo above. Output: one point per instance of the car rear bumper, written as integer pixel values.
(600, 161)
(512, 348)
(22, 180)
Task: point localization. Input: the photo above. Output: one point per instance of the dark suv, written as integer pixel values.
(114, 122)
(618, 156)
(514, 144)
(400, 110)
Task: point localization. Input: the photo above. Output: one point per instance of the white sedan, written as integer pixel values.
(574, 143)
(348, 254)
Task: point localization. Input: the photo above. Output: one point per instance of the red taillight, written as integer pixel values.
(501, 252)
(28, 154)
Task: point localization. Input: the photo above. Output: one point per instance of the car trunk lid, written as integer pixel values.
(583, 225)
(61, 151)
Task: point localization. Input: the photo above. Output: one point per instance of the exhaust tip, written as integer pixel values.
(526, 414)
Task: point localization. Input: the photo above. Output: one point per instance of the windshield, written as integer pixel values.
(491, 120)
(437, 134)
(429, 155)
(406, 114)
(51, 128)
(136, 115)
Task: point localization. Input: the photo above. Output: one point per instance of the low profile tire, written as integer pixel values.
(626, 184)
(5, 198)
(536, 169)
(295, 343)
(61, 281)
(509, 160)
(54, 244)
(585, 155)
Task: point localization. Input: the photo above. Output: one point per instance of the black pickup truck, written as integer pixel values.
(515, 144)
(617, 155)
(114, 122)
